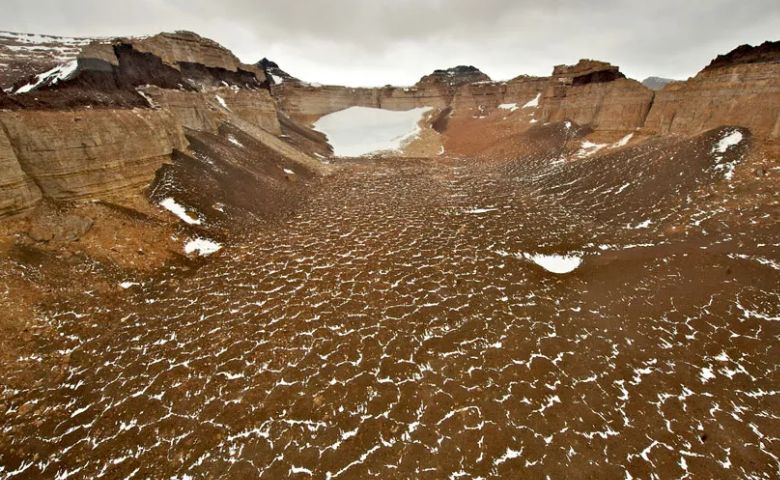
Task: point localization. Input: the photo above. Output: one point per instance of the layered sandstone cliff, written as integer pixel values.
(207, 110)
(18, 192)
(741, 88)
(91, 153)
(595, 94)
(104, 123)
(590, 93)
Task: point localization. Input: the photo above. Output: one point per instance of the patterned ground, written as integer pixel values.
(394, 329)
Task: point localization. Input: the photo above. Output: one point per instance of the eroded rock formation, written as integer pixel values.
(89, 153)
(18, 192)
(103, 123)
(595, 94)
(739, 88)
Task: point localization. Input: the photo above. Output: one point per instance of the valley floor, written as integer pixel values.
(397, 327)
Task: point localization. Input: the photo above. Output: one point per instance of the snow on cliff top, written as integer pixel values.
(359, 131)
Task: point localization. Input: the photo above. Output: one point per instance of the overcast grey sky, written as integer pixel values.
(376, 42)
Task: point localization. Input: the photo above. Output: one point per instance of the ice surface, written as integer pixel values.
(359, 131)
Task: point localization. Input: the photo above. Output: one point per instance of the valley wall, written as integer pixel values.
(746, 94)
(105, 127)
(90, 153)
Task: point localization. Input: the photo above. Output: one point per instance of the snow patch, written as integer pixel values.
(479, 211)
(235, 142)
(556, 263)
(706, 375)
(623, 141)
(509, 106)
(222, 102)
(640, 225)
(533, 103)
(358, 131)
(728, 140)
(203, 246)
(277, 79)
(175, 208)
(588, 148)
(53, 76)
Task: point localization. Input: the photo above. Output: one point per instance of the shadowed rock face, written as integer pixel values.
(272, 70)
(767, 52)
(585, 72)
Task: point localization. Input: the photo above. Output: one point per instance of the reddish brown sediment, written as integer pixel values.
(404, 316)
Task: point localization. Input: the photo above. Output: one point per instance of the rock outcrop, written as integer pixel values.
(18, 192)
(767, 52)
(454, 77)
(595, 94)
(104, 123)
(180, 48)
(276, 75)
(740, 88)
(90, 153)
(23, 55)
(206, 111)
(586, 71)
(107, 72)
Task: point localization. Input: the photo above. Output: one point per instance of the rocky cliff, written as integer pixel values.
(590, 93)
(18, 192)
(595, 94)
(91, 153)
(103, 123)
(739, 88)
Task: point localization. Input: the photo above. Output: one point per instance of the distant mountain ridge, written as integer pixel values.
(657, 83)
